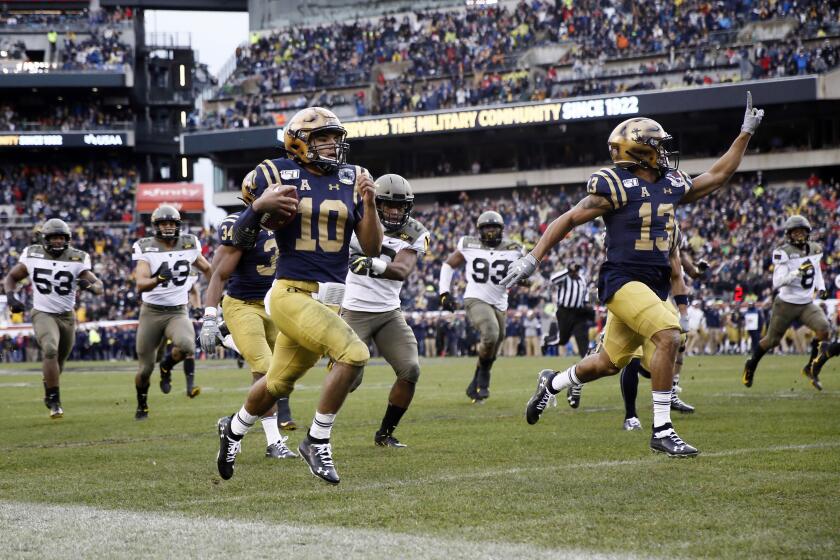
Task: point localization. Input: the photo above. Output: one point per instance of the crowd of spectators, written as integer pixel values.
(101, 191)
(468, 57)
(103, 49)
(90, 115)
(735, 230)
(100, 48)
(61, 20)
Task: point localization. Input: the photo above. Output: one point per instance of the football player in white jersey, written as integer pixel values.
(57, 271)
(487, 258)
(162, 275)
(371, 303)
(796, 276)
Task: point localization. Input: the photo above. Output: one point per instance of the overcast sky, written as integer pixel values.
(215, 35)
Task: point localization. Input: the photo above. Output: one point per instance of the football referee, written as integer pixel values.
(574, 314)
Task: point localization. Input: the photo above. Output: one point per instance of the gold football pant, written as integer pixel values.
(308, 330)
(253, 331)
(636, 314)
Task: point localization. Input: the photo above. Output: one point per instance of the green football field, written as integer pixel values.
(475, 482)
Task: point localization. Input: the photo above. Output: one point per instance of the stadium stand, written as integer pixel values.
(78, 115)
(721, 232)
(423, 61)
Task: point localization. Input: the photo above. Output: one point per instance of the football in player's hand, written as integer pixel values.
(281, 217)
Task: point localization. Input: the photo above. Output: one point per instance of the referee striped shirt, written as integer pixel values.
(571, 292)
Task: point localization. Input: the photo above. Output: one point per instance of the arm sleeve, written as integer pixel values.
(445, 278)
(782, 275)
(137, 253)
(689, 182)
(558, 277)
(819, 280)
(225, 231)
(85, 263)
(421, 244)
(606, 183)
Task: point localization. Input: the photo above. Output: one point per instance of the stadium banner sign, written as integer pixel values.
(617, 107)
(40, 75)
(86, 139)
(183, 196)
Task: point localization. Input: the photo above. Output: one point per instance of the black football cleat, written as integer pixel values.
(573, 395)
(541, 397)
(472, 389)
(319, 458)
(813, 368)
(193, 390)
(749, 373)
(165, 380)
(279, 450)
(387, 440)
(228, 448)
(284, 416)
(141, 413)
(670, 443)
(680, 406)
(287, 426)
(56, 411)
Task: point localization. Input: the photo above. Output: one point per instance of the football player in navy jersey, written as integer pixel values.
(637, 199)
(331, 200)
(248, 275)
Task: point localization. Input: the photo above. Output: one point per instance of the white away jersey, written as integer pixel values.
(180, 258)
(486, 267)
(800, 289)
(54, 279)
(372, 292)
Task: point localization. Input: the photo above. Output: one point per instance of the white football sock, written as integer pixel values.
(242, 422)
(272, 433)
(322, 425)
(661, 408)
(564, 379)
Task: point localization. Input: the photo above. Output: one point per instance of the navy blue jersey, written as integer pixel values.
(253, 275)
(315, 246)
(640, 228)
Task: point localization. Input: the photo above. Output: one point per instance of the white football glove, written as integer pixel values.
(684, 323)
(209, 335)
(752, 116)
(521, 269)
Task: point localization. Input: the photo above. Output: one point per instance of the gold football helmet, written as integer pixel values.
(298, 135)
(249, 186)
(641, 142)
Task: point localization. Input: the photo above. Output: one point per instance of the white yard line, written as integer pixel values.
(43, 531)
(353, 486)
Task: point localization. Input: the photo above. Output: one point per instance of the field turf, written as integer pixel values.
(475, 482)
